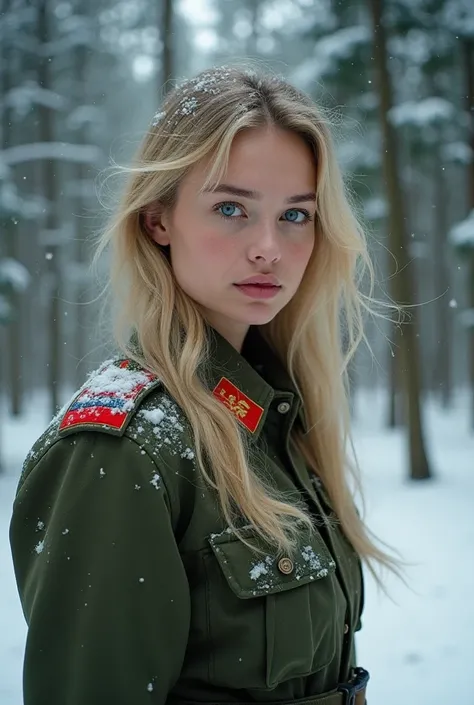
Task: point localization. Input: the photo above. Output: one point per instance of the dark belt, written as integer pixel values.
(351, 693)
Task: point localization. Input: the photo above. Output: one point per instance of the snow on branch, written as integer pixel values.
(12, 203)
(13, 275)
(84, 115)
(328, 52)
(462, 234)
(359, 154)
(466, 318)
(458, 17)
(25, 97)
(458, 152)
(422, 113)
(375, 208)
(81, 154)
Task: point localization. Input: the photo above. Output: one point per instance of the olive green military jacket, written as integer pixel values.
(134, 589)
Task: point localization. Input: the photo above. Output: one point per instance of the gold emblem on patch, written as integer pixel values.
(244, 409)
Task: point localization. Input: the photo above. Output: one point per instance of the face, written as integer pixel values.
(258, 220)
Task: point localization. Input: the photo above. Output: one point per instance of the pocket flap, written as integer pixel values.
(253, 574)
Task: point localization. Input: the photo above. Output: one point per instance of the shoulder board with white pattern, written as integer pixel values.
(109, 398)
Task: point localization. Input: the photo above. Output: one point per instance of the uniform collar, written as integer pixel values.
(247, 382)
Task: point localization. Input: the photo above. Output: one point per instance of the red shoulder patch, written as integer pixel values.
(244, 409)
(109, 397)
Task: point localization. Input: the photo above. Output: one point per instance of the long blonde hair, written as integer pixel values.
(199, 119)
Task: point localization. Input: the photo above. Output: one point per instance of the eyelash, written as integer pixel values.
(308, 216)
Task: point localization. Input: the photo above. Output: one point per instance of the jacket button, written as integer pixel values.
(284, 407)
(346, 628)
(285, 566)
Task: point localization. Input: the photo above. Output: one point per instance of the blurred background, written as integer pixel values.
(80, 82)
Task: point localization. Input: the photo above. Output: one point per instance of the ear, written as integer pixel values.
(156, 224)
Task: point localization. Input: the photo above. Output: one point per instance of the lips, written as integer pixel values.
(260, 286)
(260, 280)
(258, 291)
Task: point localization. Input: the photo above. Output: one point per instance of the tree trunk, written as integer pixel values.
(167, 71)
(14, 378)
(393, 403)
(51, 234)
(80, 172)
(252, 40)
(468, 47)
(403, 287)
(442, 364)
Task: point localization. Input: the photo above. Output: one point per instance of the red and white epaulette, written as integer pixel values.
(109, 398)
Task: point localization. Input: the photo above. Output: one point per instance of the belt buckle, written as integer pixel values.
(356, 684)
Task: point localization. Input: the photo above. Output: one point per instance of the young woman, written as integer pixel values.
(184, 531)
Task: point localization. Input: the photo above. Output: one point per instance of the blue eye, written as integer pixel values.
(226, 210)
(295, 212)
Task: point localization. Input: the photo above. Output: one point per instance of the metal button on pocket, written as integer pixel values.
(285, 566)
(283, 408)
(346, 628)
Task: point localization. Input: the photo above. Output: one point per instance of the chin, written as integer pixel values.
(258, 318)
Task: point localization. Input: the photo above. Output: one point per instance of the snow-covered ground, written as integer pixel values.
(419, 647)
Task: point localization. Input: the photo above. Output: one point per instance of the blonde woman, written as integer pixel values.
(184, 531)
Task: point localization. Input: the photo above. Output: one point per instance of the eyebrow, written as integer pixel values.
(256, 195)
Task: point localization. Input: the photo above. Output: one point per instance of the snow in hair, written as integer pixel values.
(209, 82)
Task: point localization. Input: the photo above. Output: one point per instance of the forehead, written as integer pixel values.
(267, 159)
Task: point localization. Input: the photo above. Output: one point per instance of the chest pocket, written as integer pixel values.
(271, 618)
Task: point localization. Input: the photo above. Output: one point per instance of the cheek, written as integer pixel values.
(215, 247)
(299, 253)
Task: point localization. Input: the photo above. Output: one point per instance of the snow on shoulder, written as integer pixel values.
(109, 398)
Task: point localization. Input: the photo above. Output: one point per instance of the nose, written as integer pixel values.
(265, 244)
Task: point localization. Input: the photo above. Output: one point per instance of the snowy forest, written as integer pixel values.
(80, 81)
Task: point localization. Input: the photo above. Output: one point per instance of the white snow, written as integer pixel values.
(417, 648)
(459, 152)
(83, 115)
(14, 273)
(24, 98)
(258, 570)
(155, 481)
(311, 558)
(154, 416)
(116, 380)
(157, 117)
(458, 17)
(78, 153)
(422, 113)
(462, 234)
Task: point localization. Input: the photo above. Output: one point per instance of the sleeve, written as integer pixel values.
(101, 581)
